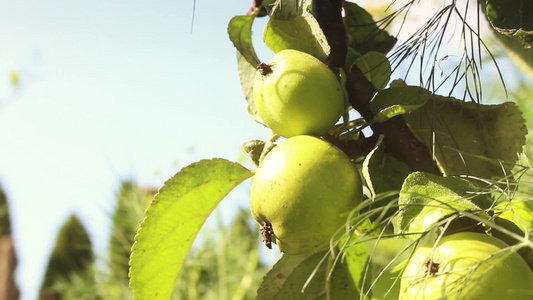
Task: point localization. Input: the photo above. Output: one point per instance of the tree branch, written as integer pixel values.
(328, 13)
(399, 140)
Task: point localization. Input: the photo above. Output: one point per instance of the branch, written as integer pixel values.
(399, 140)
(328, 13)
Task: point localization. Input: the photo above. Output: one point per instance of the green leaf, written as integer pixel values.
(357, 258)
(285, 9)
(395, 101)
(470, 138)
(363, 33)
(301, 32)
(387, 254)
(287, 278)
(240, 34)
(254, 148)
(426, 198)
(174, 219)
(225, 262)
(376, 68)
(247, 74)
(382, 172)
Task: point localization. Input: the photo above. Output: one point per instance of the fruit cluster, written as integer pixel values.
(304, 187)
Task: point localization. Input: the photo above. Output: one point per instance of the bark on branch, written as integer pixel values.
(399, 140)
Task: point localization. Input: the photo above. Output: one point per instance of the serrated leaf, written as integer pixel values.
(301, 32)
(287, 278)
(174, 219)
(240, 34)
(382, 172)
(376, 68)
(363, 33)
(470, 138)
(427, 198)
(357, 258)
(285, 9)
(395, 101)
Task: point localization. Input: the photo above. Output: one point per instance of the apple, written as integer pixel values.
(297, 94)
(466, 265)
(302, 193)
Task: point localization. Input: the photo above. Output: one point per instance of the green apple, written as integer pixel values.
(297, 94)
(302, 192)
(466, 266)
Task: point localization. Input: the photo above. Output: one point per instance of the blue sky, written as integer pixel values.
(110, 90)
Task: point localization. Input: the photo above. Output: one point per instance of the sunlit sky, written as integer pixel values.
(110, 90)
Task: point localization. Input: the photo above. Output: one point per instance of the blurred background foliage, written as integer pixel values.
(224, 263)
(8, 259)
